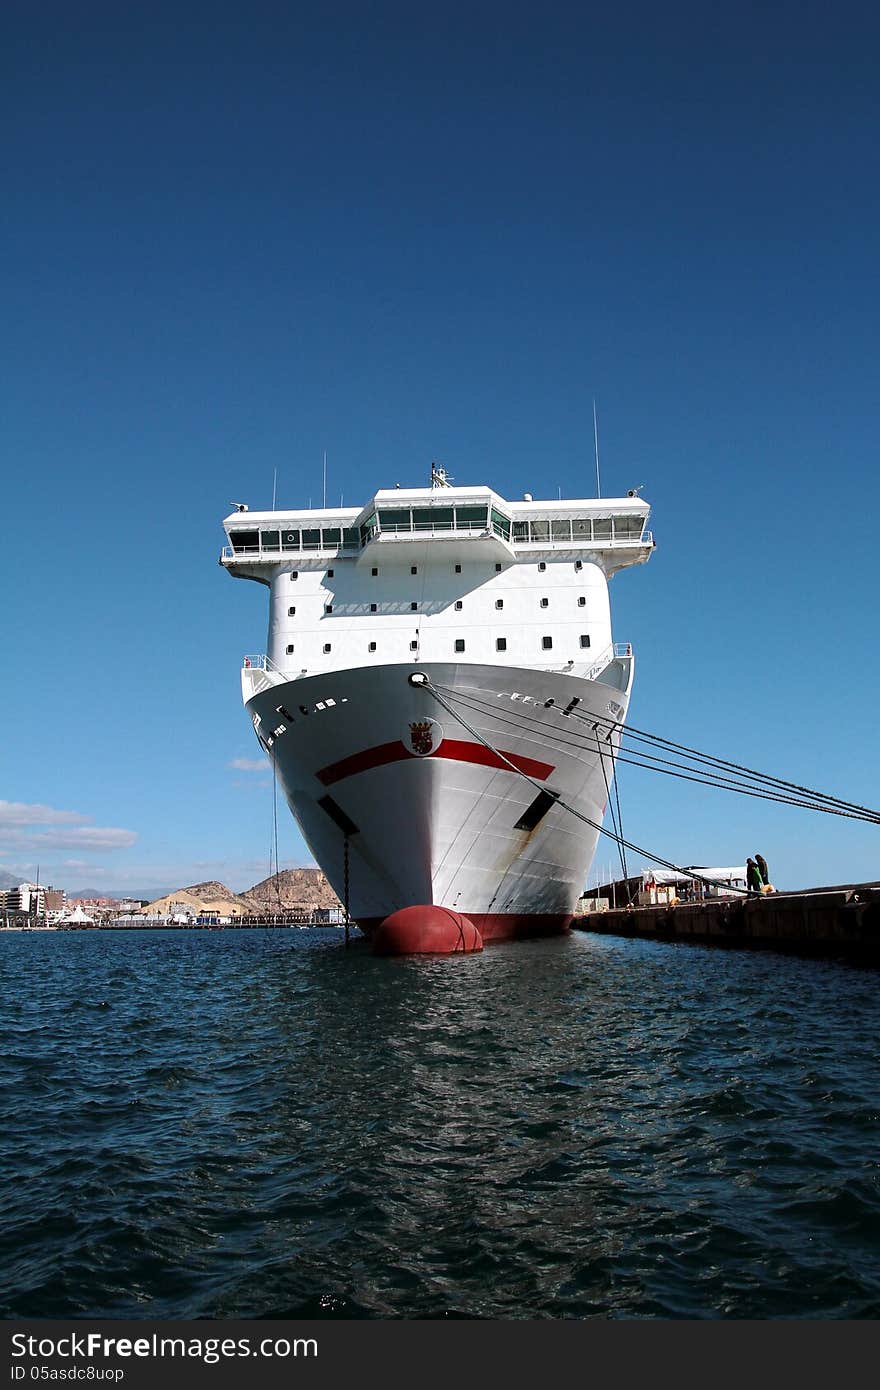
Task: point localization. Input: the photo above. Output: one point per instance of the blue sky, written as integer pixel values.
(236, 236)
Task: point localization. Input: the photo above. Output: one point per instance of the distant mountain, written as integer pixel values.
(8, 880)
(145, 894)
(291, 888)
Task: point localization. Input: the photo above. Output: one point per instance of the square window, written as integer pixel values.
(547, 643)
(413, 569)
(499, 603)
(291, 612)
(294, 574)
(373, 607)
(414, 607)
(578, 564)
(374, 572)
(585, 640)
(582, 602)
(497, 569)
(328, 607)
(541, 567)
(458, 604)
(329, 574)
(372, 646)
(458, 569)
(501, 644)
(413, 646)
(290, 649)
(545, 603)
(326, 647)
(459, 644)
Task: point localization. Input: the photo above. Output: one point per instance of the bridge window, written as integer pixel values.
(395, 519)
(628, 528)
(602, 529)
(350, 536)
(582, 528)
(520, 530)
(561, 530)
(244, 540)
(540, 530)
(330, 536)
(471, 518)
(290, 540)
(270, 540)
(500, 524)
(311, 540)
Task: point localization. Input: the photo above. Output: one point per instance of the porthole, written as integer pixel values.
(372, 647)
(373, 607)
(541, 567)
(545, 603)
(547, 643)
(585, 640)
(294, 574)
(499, 603)
(290, 649)
(582, 602)
(459, 644)
(578, 564)
(458, 569)
(328, 607)
(501, 644)
(413, 569)
(374, 572)
(414, 608)
(291, 612)
(458, 605)
(330, 574)
(326, 648)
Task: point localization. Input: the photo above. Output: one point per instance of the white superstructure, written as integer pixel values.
(500, 603)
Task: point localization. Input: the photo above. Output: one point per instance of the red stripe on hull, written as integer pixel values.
(501, 926)
(455, 750)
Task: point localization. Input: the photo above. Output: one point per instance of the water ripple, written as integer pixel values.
(261, 1124)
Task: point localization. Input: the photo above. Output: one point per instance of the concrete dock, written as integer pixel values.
(836, 922)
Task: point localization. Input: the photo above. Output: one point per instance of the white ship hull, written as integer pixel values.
(441, 827)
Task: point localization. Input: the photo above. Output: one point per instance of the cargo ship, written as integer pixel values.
(423, 651)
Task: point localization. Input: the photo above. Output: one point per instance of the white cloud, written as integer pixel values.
(23, 813)
(248, 764)
(83, 837)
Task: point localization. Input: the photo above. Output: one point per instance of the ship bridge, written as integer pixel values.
(463, 523)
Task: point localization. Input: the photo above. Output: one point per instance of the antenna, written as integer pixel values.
(274, 486)
(324, 504)
(596, 441)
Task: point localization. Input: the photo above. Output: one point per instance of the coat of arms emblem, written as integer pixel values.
(425, 735)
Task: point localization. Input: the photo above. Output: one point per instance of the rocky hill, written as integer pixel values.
(291, 888)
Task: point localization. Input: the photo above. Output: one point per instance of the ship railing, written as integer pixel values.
(261, 662)
(612, 651)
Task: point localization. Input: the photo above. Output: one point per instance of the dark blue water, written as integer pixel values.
(251, 1124)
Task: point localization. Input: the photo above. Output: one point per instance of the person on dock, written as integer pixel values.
(754, 881)
(762, 868)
